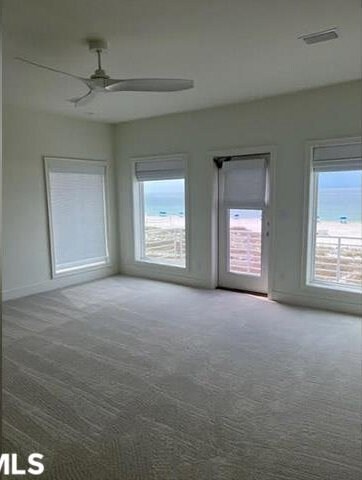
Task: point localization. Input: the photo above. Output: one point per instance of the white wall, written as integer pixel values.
(1, 139)
(28, 136)
(287, 122)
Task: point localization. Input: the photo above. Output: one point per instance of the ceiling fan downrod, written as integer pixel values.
(98, 45)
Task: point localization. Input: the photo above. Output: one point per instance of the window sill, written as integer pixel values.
(162, 266)
(81, 269)
(334, 287)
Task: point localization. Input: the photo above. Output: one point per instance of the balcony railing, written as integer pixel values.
(165, 242)
(244, 251)
(338, 260)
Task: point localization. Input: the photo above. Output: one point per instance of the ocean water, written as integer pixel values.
(340, 195)
(333, 203)
(164, 197)
(171, 204)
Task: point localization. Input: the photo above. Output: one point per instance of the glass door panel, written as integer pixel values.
(244, 224)
(245, 237)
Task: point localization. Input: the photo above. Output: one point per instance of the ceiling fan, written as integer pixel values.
(101, 82)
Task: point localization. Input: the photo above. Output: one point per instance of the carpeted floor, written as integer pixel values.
(130, 379)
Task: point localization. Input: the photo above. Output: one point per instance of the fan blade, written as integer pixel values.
(150, 85)
(50, 68)
(84, 99)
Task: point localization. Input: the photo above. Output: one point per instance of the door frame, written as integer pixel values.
(271, 150)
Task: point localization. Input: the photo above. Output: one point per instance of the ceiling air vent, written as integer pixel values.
(322, 36)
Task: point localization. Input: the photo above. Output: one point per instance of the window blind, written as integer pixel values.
(78, 214)
(245, 182)
(331, 158)
(160, 169)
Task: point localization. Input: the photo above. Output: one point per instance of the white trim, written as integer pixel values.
(336, 295)
(66, 272)
(84, 268)
(138, 218)
(164, 275)
(79, 161)
(312, 301)
(271, 151)
(338, 287)
(61, 282)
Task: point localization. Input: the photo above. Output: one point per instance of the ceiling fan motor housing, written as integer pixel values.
(99, 74)
(98, 83)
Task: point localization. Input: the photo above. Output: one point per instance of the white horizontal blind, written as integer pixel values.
(160, 169)
(331, 158)
(77, 205)
(245, 182)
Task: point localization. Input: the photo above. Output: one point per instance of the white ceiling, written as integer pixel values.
(235, 50)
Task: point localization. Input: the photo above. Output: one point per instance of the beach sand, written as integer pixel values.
(352, 229)
(337, 244)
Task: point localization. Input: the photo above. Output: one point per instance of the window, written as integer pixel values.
(335, 240)
(76, 192)
(160, 213)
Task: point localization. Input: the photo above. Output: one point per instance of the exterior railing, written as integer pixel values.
(245, 251)
(338, 259)
(165, 240)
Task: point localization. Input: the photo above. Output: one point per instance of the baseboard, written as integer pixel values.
(319, 303)
(155, 274)
(53, 284)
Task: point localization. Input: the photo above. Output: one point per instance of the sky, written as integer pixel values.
(351, 179)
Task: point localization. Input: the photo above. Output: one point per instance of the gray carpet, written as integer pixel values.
(131, 379)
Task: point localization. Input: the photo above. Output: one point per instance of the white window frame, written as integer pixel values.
(308, 282)
(138, 217)
(82, 268)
